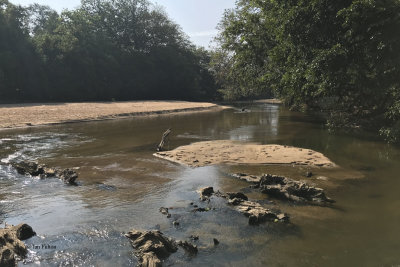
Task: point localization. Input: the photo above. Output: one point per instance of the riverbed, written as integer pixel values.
(121, 186)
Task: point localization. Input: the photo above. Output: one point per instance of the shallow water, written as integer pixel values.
(122, 186)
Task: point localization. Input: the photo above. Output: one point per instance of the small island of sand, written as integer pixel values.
(233, 152)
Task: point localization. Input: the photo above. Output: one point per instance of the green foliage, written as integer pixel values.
(340, 57)
(103, 50)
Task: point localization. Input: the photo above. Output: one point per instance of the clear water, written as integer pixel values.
(122, 186)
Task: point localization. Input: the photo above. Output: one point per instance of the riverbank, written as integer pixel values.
(23, 115)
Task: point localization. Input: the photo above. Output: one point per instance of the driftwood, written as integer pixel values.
(164, 140)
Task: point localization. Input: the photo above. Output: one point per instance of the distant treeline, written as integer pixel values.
(104, 50)
(341, 57)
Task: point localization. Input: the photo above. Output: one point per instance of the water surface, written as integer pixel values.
(122, 186)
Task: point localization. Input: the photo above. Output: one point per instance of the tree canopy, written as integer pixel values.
(103, 50)
(340, 57)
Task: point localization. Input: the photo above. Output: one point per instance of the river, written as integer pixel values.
(122, 186)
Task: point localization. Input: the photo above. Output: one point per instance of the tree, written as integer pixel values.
(103, 50)
(340, 57)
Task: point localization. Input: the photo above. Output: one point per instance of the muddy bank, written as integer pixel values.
(232, 152)
(23, 115)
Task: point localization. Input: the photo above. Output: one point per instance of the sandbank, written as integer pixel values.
(23, 115)
(233, 152)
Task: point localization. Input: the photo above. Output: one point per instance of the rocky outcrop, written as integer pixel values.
(11, 246)
(286, 188)
(153, 246)
(34, 169)
(256, 212)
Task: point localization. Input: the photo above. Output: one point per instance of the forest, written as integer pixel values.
(338, 58)
(104, 51)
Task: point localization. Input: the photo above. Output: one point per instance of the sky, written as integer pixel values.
(198, 18)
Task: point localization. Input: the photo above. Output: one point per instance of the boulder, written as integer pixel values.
(151, 246)
(11, 246)
(286, 188)
(257, 214)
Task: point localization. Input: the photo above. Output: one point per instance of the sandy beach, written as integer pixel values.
(23, 115)
(232, 152)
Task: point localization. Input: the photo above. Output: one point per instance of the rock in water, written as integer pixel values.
(34, 169)
(188, 247)
(165, 212)
(11, 245)
(68, 176)
(287, 188)
(216, 242)
(23, 231)
(206, 193)
(257, 214)
(238, 195)
(151, 246)
(28, 167)
(247, 178)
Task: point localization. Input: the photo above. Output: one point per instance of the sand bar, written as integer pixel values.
(233, 152)
(22, 115)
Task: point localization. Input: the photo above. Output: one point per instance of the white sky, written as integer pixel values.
(198, 18)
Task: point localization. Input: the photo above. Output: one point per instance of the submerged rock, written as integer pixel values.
(257, 214)
(188, 247)
(238, 195)
(246, 177)
(286, 188)
(11, 246)
(206, 193)
(153, 246)
(34, 169)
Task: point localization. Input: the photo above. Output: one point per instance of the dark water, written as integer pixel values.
(122, 186)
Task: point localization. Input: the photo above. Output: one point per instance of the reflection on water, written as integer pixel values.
(122, 186)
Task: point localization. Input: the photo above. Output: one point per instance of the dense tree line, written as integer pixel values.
(341, 57)
(103, 50)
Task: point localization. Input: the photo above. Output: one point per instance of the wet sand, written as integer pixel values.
(232, 152)
(23, 115)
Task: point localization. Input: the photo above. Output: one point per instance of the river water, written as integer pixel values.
(122, 186)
